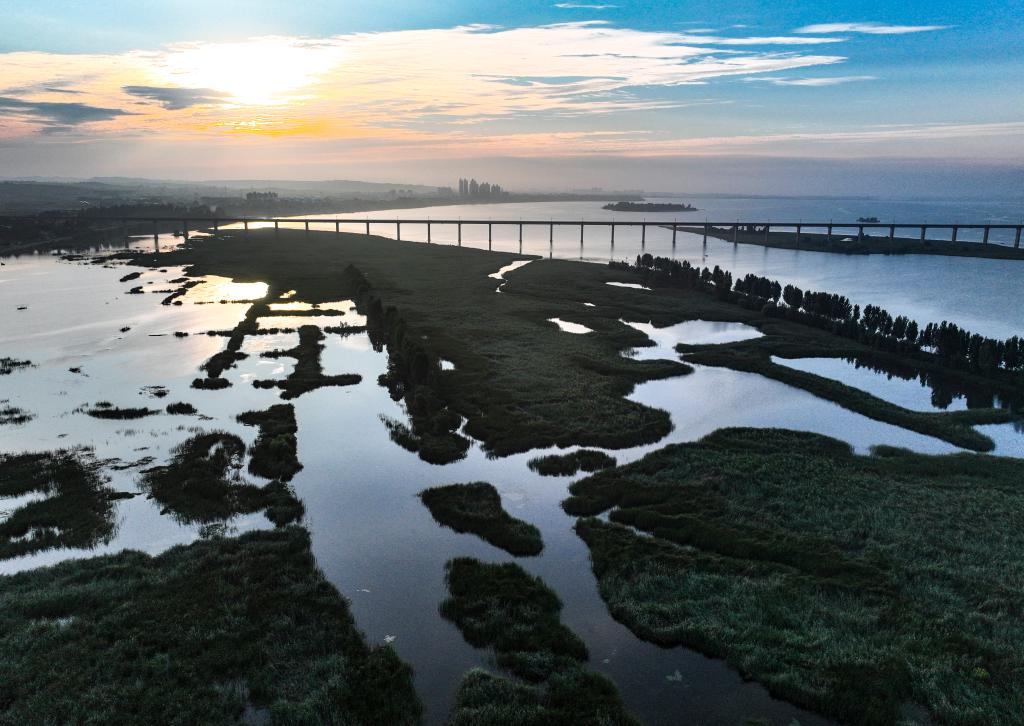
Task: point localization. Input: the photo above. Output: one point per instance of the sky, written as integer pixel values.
(555, 94)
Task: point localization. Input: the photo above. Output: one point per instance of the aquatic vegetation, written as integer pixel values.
(104, 409)
(180, 408)
(274, 454)
(9, 365)
(308, 373)
(848, 584)
(131, 276)
(210, 384)
(502, 607)
(76, 508)
(225, 630)
(476, 508)
(569, 464)
(202, 483)
(13, 415)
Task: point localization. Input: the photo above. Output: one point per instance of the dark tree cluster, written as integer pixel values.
(874, 326)
(473, 188)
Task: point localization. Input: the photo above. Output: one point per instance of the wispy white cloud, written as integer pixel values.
(583, 6)
(869, 28)
(812, 82)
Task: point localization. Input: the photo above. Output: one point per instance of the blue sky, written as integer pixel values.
(168, 81)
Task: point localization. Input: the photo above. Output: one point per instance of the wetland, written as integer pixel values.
(385, 491)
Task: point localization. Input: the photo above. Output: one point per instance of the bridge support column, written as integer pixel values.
(460, 234)
(892, 232)
(581, 238)
(613, 234)
(860, 233)
(337, 227)
(428, 232)
(674, 230)
(735, 234)
(705, 234)
(520, 238)
(367, 228)
(924, 232)
(398, 231)
(489, 235)
(551, 235)
(277, 229)
(156, 235)
(1016, 239)
(955, 231)
(984, 235)
(245, 224)
(307, 228)
(767, 227)
(798, 230)
(828, 238)
(643, 235)
(184, 229)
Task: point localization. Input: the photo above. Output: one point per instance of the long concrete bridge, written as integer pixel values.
(830, 228)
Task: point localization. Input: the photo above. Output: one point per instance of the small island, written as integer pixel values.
(649, 207)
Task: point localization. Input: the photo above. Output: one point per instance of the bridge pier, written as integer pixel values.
(984, 235)
(924, 231)
(955, 230)
(398, 231)
(551, 235)
(520, 238)
(643, 235)
(367, 228)
(428, 232)
(736, 233)
(828, 238)
(337, 227)
(277, 229)
(613, 235)
(1016, 239)
(705, 234)
(307, 228)
(184, 229)
(860, 233)
(581, 238)
(460, 234)
(488, 235)
(798, 228)
(156, 235)
(892, 232)
(245, 224)
(767, 227)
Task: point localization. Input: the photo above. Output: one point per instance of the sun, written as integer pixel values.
(257, 72)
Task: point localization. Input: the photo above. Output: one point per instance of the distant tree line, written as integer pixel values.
(473, 188)
(873, 326)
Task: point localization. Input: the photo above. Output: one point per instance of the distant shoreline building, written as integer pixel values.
(475, 190)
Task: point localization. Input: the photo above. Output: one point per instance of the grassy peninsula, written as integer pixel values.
(864, 587)
(476, 508)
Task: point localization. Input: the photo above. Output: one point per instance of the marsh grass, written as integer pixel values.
(202, 484)
(571, 463)
(274, 453)
(9, 365)
(212, 632)
(502, 607)
(849, 584)
(111, 412)
(181, 408)
(78, 511)
(476, 508)
(13, 415)
(308, 374)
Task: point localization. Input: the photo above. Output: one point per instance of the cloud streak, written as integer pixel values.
(868, 28)
(175, 99)
(813, 82)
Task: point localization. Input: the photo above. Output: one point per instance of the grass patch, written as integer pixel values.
(78, 510)
(476, 508)
(221, 631)
(308, 374)
(9, 365)
(105, 410)
(181, 408)
(202, 484)
(502, 607)
(13, 415)
(849, 584)
(274, 454)
(569, 464)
